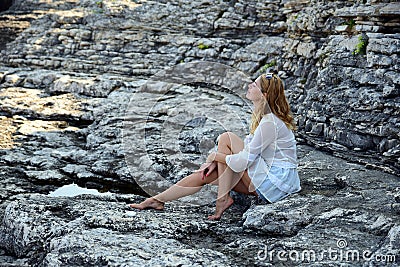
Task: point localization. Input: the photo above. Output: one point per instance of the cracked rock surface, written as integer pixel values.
(79, 105)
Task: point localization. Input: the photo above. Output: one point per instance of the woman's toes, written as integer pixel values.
(214, 217)
(149, 203)
(221, 206)
(136, 206)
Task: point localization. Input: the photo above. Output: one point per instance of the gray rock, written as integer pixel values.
(337, 204)
(137, 251)
(78, 225)
(79, 103)
(123, 44)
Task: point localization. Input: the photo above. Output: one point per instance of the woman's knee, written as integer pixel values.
(225, 138)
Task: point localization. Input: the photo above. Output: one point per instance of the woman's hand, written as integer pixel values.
(206, 169)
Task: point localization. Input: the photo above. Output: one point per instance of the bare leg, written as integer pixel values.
(228, 144)
(187, 186)
(227, 179)
(224, 201)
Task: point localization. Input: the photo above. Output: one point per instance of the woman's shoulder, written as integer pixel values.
(270, 117)
(277, 122)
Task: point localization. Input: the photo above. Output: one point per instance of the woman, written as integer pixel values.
(263, 165)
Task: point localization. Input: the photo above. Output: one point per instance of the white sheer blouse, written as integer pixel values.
(273, 144)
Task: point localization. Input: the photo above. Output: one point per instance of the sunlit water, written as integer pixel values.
(72, 190)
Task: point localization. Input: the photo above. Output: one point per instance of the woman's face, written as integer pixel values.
(254, 91)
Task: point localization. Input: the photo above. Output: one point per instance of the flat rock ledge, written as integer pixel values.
(100, 231)
(342, 207)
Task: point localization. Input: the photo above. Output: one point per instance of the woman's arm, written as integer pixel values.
(264, 135)
(217, 156)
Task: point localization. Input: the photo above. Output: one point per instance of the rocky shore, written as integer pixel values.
(79, 103)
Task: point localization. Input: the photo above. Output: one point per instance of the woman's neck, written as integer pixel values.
(257, 104)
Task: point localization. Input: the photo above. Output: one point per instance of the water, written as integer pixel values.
(72, 190)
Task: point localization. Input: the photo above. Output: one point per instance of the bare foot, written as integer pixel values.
(221, 206)
(149, 203)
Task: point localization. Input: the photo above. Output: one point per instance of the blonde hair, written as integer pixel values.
(274, 101)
